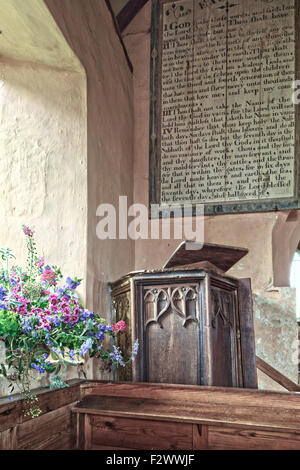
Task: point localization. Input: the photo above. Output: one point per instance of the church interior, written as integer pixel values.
(115, 107)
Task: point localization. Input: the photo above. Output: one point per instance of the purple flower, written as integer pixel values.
(27, 231)
(117, 356)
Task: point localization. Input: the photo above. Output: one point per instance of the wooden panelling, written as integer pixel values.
(51, 431)
(203, 395)
(8, 439)
(164, 417)
(200, 437)
(11, 412)
(220, 438)
(225, 357)
(196, 412)
(140, 434)
(249, 372)
(95, 447)
(54, 429)
(131, 416)
(166, 342)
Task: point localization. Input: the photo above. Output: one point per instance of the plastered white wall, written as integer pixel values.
(43, 165)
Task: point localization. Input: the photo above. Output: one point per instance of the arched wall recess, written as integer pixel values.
(285, 239)
(43, 144)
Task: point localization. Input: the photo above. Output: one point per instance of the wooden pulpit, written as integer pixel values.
(194, 323)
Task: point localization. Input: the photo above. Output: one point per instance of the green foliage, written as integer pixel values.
(6, 255)
(9, 324)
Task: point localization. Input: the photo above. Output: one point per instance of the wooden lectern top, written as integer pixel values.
(221, 256)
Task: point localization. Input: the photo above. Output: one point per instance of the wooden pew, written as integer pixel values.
(116, 415)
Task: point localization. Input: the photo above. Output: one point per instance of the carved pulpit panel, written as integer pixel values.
(171, 321)
(225, 336)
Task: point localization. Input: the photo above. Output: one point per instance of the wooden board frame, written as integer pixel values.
(263, 205)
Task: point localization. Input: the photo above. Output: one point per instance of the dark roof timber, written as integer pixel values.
(117, 28)
(130, 10)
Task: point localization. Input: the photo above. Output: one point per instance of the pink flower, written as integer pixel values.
(48, 275)
(16, 289)
(37, 310)
(120, 326)
(40, 262)
(53, 299)
(27, 231)
(21, 309)
(44, 323)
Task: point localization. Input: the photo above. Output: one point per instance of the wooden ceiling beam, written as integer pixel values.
(130, 10)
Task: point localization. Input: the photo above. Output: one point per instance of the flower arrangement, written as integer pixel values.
(44, 325)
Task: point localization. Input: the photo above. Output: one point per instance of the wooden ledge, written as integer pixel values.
(245, 409)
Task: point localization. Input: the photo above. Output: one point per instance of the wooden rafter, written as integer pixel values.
(130, 10)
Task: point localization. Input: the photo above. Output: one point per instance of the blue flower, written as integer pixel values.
(4, 276)
(40, 363)
(56, 350)
(72, 355)
(70, 284)
(86, 346)
(3, 293)
(56, 321)
(135, 349)
(41, 369)
(100, 336)
(62, 291)
(105, 328)
(85, 314)
(26, 324)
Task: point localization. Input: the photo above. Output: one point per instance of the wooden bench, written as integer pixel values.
(116, 415)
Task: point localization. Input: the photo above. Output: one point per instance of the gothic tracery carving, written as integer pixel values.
(180, 300)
